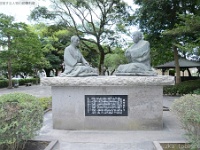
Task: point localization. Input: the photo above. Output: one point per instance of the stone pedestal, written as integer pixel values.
(144, 102)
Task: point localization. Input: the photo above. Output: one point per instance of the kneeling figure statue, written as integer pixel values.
(75, 63)
(138, 56)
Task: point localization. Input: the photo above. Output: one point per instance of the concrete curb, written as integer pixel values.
(53, 145)
(157, 144)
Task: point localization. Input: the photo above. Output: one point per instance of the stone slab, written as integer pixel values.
(108, 81)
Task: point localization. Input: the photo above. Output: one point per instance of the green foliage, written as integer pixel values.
(45, 102)
(22, 48)
(2, 78)
(188, 110)
(170, 90)
(41, 11)
(101, 20)
(153, 18)
(160, 49)
(189, 23)
(187, 31)
(29, 80)
(157, 17)
(90, 54)
(21, 116)
(197, 91)
(4, 83)
(186, 87)
(112, 61)
(54, 39)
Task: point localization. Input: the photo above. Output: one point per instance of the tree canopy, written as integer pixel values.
(21, 48)
(96, 22)
(157, 17)
(54, 39)
(113, 60)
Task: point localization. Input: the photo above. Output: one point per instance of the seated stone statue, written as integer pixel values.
(75, 63)
(138, 56)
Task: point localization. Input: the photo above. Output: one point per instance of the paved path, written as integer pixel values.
(104, 140)
(36, 90)
(111, 140)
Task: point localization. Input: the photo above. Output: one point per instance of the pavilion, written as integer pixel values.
(184, 65)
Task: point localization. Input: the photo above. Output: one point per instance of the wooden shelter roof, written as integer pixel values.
(184, 63)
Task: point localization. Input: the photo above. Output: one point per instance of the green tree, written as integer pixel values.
(155, 17)
(188, 30)
(99, 20)
(113, 60)
(21, 48)
(54, 39)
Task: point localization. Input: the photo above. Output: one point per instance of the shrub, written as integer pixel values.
(28, 80)
(45, 102)
(187, 109)
(170, 90)
(21, 117)
(3, 83)
(2, 78)
(186, 87)
(197, 91)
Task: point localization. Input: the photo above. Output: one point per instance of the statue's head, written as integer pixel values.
(137, 36)
(75, 40)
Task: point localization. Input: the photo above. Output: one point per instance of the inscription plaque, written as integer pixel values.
(106, 105)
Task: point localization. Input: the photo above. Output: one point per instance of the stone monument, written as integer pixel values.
(131, 101)
(138, 56)
(107, 103)
(75, 63)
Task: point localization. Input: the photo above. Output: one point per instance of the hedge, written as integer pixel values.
(187, 109)
(45, 102)
(21, 116)
(4, 82)
(186, 87)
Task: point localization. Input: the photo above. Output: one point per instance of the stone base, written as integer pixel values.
(145, 106)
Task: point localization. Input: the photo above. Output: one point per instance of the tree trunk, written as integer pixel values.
(177, 66)
(101, 64)
(9, 68)
(9, 74)
(112, 72)
(57, 71)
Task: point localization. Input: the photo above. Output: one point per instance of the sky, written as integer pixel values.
(20, 9)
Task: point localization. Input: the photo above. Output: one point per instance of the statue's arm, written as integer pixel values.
(128, 53)
(144, 52)
(68, 57)
(141, 52)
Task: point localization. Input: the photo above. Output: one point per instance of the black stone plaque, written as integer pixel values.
(106, 105)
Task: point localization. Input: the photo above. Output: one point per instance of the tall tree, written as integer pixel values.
(99, 20)
(154, 17)
(21, 47)
(54, 39)
(188, 30)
